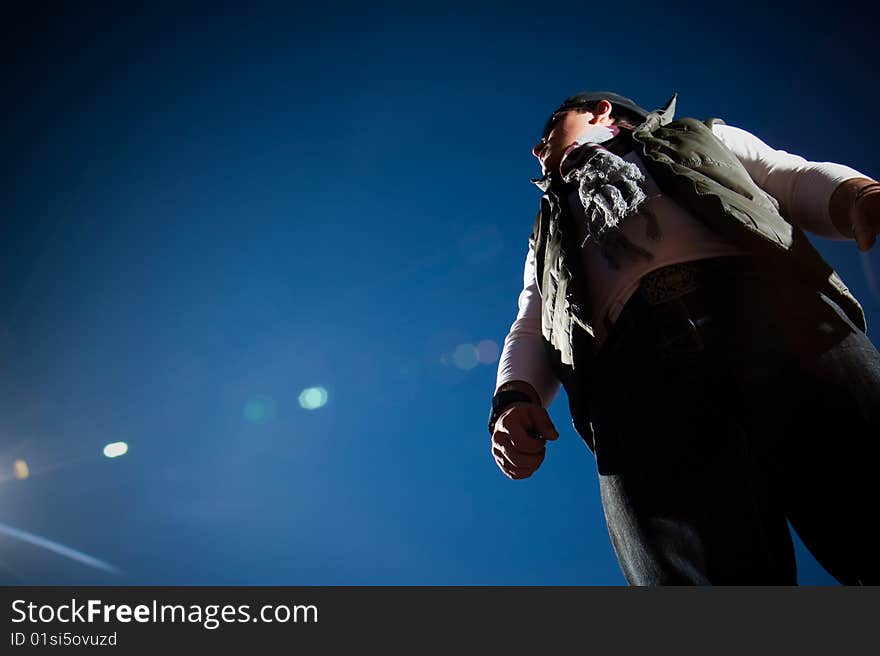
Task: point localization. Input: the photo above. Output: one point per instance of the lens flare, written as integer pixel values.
(313, 398)
(58, 548)
(465, 357)
(21, 470)
(115, 449)
(259, 410)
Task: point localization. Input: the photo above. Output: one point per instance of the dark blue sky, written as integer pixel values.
(206, 212)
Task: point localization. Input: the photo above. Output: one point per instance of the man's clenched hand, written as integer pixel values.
(855, 210)
(519, 439)
(866, 216)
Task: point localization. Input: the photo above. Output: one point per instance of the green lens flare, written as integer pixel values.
(313, 398)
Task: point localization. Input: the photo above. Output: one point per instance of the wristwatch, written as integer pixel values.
(502, 400)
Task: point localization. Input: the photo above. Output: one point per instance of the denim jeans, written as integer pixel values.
(719, 415)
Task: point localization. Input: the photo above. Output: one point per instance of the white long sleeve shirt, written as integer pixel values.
(802, 188)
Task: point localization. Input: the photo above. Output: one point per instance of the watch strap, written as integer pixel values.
(502, 400)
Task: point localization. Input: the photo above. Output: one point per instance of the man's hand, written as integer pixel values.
(519, 439)
(866, 217)
(855, 210)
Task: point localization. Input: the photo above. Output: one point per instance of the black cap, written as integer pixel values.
(590, 98)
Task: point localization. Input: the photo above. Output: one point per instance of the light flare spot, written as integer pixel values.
(313, 398)
(465, 356)
(259, 410)
(20, 469)
(115, 449)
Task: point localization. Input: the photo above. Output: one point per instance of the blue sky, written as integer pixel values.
(207, 212)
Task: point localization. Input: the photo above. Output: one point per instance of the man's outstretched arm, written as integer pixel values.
(821, 197)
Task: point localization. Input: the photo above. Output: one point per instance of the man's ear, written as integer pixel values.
(602, 109)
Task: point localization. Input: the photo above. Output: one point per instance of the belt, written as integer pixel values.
(678, 280)
(682, 290)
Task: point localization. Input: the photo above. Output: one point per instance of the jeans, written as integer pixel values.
(748, 401)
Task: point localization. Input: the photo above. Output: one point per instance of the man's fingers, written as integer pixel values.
(542, 424)
(518, 475)
(516, 446)
(528, 418)
(518, 441)
(519, 425)
(525, 440)
(512, 471)
(503, 446)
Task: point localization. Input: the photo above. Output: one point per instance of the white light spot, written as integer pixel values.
(115, 449)
(313, 398)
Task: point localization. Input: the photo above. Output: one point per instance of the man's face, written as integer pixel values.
(566, 129)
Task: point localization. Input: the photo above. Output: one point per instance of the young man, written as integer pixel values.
(715, 364)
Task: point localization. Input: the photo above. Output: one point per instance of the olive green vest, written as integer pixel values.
(690, 164)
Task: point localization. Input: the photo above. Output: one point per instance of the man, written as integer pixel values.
(713, 362)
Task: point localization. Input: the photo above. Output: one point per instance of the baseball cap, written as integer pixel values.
(587, 98)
